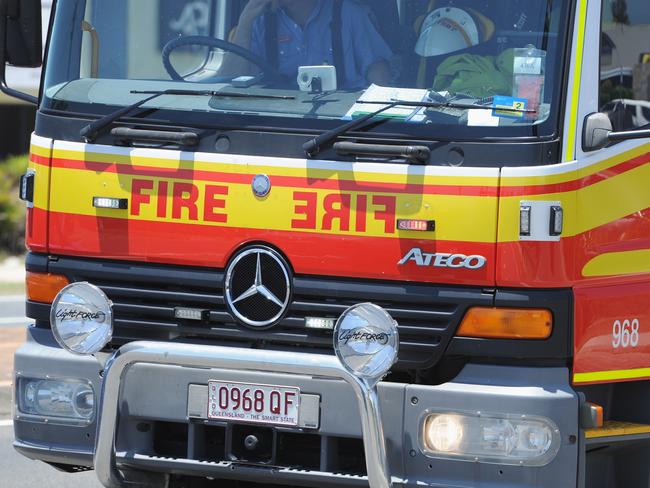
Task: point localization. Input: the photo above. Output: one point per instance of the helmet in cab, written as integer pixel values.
(449, 29)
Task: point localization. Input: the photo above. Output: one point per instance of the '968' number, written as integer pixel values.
(625, 333)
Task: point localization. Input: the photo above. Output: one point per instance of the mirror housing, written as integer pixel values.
(598, 133)
(21, 40)
(23, 36)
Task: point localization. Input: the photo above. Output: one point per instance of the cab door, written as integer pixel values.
(612, 227)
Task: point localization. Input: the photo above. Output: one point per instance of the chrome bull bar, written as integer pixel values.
(237, 359)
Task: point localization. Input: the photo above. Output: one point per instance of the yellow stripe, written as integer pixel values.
(41, 180)
(457, 221)
(594, 204)
(618, 263)
(612, 428)
(258, 166)
(592, 169)
(577, 75)
(621, 374)
(352, 175)
(39, 150)
(467, 219)
(613, 198)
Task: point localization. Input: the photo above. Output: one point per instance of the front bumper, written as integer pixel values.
(142, 374)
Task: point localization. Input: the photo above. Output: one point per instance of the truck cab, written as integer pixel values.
(337, 243)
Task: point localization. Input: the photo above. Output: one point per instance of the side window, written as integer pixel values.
(625, 63)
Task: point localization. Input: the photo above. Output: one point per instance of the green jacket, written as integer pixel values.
(478, 76)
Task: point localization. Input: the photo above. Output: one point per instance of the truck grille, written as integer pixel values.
(145, 298)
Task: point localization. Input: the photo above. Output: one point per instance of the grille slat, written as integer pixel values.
(414, 330)
(162, 295)
(145, 296)
(396, 313)
(126, 309)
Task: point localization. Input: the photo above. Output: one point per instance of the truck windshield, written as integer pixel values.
(324, 59)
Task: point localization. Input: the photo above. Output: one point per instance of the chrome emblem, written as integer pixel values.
(258, 287)
(442, 260)
(261, 185)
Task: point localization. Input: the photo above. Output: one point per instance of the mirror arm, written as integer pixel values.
(629, 134)
(598, 133)
(26, 97)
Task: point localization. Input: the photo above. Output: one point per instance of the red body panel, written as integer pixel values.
(309, 253)
(602, 316)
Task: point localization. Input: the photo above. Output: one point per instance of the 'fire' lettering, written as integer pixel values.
(389, 205)
(308, 210)
(185, 196)
(211, 204)
(162, 199)
(139, 198)
(362, 209)
(337, 206)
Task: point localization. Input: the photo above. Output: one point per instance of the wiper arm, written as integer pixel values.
(313, 147)
(91, 131)
(466, 106)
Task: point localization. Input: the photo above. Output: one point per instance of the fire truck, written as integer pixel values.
(337, 243)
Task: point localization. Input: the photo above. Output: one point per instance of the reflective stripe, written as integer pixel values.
(614, 428)
(575, 98)
(618, 263)
(621, 374)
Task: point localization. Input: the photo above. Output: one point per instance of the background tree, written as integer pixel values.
(619, 12)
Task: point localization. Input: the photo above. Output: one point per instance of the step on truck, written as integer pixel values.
(337, 243)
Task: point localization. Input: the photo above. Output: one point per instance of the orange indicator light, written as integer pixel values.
(507, 323)
(44, 287)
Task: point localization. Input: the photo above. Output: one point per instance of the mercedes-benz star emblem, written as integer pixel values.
(258, 287)
(261, 185)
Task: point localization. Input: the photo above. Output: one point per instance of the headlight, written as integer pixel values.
(62, 399)
(492, 438)
(82, 318)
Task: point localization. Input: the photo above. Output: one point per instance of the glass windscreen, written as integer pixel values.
(478, 67)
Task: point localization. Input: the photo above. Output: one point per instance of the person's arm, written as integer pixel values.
(379, 73)
(371, 50)
(232, 64)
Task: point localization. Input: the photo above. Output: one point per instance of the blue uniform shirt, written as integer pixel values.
(312, 46)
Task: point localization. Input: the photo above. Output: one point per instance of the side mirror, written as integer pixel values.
(21, 41)
(598, 133)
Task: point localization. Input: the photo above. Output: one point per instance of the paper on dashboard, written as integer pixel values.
(388, 94)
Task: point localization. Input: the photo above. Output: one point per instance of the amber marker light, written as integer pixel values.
(506, 323)
(43, 287)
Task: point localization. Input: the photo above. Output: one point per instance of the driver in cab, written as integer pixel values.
(303, 35)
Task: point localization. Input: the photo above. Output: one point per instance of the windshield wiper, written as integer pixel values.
(313, 147)
(91, 131)
(465, 106)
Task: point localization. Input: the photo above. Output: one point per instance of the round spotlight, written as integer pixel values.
(82, 318)
(366, 341)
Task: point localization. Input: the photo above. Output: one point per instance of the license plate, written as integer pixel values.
(245, 402)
